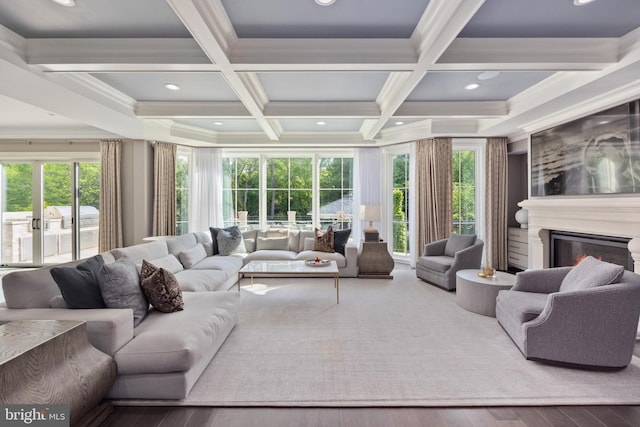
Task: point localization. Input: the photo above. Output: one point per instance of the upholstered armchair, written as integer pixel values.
(582, 316)
(443, 258)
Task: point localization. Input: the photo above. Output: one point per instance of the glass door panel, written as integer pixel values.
(89, 200)
(57, 224)
(17, 213)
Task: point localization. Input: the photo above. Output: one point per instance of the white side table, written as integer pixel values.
(479, 294)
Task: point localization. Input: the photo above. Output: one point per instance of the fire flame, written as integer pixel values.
(582, 257)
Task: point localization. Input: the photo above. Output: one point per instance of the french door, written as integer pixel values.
(49, 211)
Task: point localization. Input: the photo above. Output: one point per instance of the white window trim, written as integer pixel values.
(388, 153)
(478, 145)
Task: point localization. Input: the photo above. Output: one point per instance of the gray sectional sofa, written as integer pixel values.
(165, 354)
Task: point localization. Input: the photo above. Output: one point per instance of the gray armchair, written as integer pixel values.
(443, 258)
(552, 316)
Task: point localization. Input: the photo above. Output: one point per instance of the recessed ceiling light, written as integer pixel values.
(321, 123)
(487, 75)
(325, 2)
(604, 122)
(218, 123)
(472, 86)
(172, 86)
(399, 123)
(66, 3)
(581, 2)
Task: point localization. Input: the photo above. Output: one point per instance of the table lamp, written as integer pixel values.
(370, 213)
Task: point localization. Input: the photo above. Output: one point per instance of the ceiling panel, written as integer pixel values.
(450, 86)
(197, 86)
(226, 125)
(329, 86)
(306, 19)
(553, 18)
(311, 125)
(92, 18)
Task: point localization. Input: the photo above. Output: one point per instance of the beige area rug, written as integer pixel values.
(397, 342)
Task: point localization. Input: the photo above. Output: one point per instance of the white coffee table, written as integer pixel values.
(290, 268)
(479, 294)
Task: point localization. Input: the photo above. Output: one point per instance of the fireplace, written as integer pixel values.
(567, 248)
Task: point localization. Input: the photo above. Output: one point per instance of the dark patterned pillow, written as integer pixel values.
(161, 288)
(324, 240)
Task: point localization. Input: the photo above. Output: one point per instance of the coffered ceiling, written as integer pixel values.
(294, 73)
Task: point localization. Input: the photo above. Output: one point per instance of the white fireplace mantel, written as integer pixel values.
(608, 216)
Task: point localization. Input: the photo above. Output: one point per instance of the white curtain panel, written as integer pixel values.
(205, 195)
(367, 187)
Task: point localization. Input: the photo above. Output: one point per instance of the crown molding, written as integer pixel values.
(254, 86)
(544, 54)
(156, 109)
(459, 127)
(11, 42)
(215, 16)
(93, 87)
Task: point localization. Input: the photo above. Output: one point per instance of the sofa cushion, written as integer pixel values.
(272, 244)
(250, 237)
(120, 288)
(230, 242)
(176, 342)
(177, 244)
(524, 306)
(294, 241)
(151, 250)
(309, 243)
(590, 273)
(161, 288)
(79, 285)
(436, 263)
(270, 255)
(340, 239)
(193, 280)
(168, 262)
(192, 256)
(324, 240)
(304, 235)
(228, 264)
(458, 242)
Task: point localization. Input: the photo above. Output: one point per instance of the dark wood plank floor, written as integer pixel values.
(581, 416)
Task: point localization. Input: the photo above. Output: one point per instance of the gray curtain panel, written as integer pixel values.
(164, 189)
(433, 190)
(110, 195)
(496, 203)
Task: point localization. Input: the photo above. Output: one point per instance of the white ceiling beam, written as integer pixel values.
(159, 109)
(204, 19)
(529, 54)
(478, 109)
(322, 110)
(441, 23)
(323, 54)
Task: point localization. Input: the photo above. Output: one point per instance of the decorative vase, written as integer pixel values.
(522, 216)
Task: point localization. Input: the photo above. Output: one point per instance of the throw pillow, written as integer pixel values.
(161, 288)
(214, 236)
(230, 242)
(458, 242)
(169, 263)
(272, 243)
(309, 242)
(340, 239)
(79, 285)
(192, 256)
(120, 287)
(590, 273)
(324, 240)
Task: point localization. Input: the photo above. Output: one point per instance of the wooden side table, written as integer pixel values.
(52, 362)
(374, 261)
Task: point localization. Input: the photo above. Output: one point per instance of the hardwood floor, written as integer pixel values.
(582, 416)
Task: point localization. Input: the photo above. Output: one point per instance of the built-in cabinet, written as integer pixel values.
(517, 248)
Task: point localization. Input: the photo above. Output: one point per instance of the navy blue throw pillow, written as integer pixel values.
(340, 238)
(79, 285)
